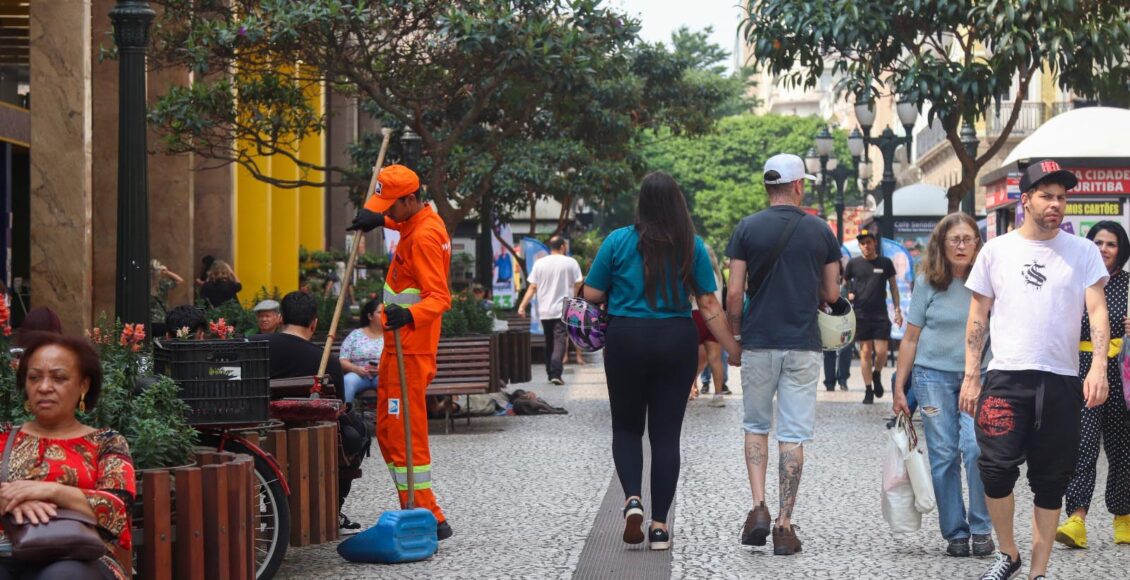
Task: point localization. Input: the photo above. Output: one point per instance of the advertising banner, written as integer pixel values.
(532, 251)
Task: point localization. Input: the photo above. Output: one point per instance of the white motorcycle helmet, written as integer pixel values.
(837, 324)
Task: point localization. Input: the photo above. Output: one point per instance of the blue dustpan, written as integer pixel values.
(398, 536)
(406, 535)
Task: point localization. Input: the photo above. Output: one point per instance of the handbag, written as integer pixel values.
(897, 494)
(70, 535)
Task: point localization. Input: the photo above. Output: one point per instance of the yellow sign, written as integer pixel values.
(1096, 208)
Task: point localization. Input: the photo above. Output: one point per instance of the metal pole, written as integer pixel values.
(840, 211)
(887, 144)
(969, 140)
(131, 19)
(823, 189)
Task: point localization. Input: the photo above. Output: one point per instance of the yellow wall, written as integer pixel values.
(272, 222)
(252, 231)
(312, 200)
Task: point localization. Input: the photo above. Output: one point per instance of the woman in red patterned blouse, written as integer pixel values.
(57, 462)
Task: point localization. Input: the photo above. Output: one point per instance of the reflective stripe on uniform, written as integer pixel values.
(400, 476)
(406, 297)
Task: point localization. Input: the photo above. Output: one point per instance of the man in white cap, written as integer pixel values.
(790, 263)
(268, 316)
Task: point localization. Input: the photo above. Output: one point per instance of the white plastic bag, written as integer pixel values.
(917, 467)
(898, 496)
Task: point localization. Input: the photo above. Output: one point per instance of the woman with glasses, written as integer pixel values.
(930, 352)
(1110, 421)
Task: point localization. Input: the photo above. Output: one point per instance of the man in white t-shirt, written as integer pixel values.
(1036, 282)
(553, 278)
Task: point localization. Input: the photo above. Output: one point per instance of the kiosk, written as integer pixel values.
(1090, 142)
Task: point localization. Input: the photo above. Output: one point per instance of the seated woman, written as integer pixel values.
(59, 463)
(361, 352)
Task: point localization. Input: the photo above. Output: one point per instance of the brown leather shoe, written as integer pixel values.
(785, 542)
(756, 527)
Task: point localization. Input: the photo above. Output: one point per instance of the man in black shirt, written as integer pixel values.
(293, 355)
(867, 279)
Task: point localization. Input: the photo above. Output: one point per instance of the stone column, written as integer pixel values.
(171, 198)
(62, 240)
(340, 133)
(104, 109)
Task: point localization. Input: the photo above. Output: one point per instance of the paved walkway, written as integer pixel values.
(523, 494)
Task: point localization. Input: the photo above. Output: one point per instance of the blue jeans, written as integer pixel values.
(952, 442)
(837, 366)
(355, 383)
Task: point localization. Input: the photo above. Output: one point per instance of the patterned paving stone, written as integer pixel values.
(522, 494)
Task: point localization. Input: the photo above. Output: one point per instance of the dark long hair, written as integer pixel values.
(666, 234)
(1119, 233)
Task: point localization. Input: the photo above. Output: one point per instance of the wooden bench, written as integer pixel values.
(466, 365)
(299, 387)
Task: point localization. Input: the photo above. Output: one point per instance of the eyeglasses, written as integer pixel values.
(956, 242)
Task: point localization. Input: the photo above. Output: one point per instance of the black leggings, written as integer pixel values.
(61, 570)
(650, 365)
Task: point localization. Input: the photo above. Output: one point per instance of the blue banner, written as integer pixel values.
(904, 278)
(532, 251)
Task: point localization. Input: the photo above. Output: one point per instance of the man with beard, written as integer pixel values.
(1036, 281)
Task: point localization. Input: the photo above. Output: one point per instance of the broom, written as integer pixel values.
(316, 408)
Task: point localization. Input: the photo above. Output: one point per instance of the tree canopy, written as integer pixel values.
(960, 56)
(720, 173)
(509, 96)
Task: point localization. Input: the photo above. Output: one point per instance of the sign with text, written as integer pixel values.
(1101, 180)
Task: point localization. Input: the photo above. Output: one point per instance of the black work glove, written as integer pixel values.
(366, 221)
(397, 316)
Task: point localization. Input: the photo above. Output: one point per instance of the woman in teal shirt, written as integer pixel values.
(646, 274)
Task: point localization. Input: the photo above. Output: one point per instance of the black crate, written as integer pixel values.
(222, 381)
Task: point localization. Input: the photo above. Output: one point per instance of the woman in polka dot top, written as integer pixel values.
(1109, 422)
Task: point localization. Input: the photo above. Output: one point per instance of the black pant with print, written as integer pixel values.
(1029, 416)
(1109, 423)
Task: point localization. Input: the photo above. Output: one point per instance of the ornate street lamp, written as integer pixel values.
(971, 143)
(887, 142)
(410, 146)
(131, 19)
(832, 172)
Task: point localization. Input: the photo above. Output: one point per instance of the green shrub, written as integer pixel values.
(467, 316)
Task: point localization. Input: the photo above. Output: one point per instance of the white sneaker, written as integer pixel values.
(718, 400)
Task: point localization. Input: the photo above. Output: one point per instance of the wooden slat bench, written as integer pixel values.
(466, 366)
(537, 341)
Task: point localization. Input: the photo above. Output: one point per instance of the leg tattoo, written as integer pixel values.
(790, 466)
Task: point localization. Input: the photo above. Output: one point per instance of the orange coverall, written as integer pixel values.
(417, 280)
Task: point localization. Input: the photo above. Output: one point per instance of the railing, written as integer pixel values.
(1031, 117)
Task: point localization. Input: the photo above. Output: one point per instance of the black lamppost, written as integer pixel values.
(410, 144)
(131, 19)
(888, 143)
(832, 171)
(970, 142)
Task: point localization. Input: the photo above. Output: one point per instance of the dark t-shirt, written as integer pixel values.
(294, 356)
(216, 293)
(783, 313)
(869, 279)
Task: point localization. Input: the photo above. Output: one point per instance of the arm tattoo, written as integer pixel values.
(790, 466)
(974, 344)
(1100, 339)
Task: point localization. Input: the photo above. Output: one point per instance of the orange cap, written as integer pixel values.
(393, 183)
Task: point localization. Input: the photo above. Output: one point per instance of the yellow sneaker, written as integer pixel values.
(1073, 532)
(1122, 529)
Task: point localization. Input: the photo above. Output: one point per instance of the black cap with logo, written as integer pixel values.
(1046, 171)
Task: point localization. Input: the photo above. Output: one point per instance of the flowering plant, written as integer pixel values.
(221, 329)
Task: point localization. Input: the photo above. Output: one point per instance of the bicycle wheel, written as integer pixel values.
(272, 533)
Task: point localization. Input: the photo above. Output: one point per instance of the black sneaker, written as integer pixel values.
(633, 522)
(726, 390)
(843, 385)
(830, 386)
(705, 388)
(659, 539)
(346, 527)
(444, 531)
(869, 396)
(877, 377)
(958, 547)
(983, 545)
(557, 381)
(1003, 569)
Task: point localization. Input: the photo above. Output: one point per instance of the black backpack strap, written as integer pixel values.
(758, 278)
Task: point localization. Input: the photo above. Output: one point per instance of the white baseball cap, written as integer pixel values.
(788, 168)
